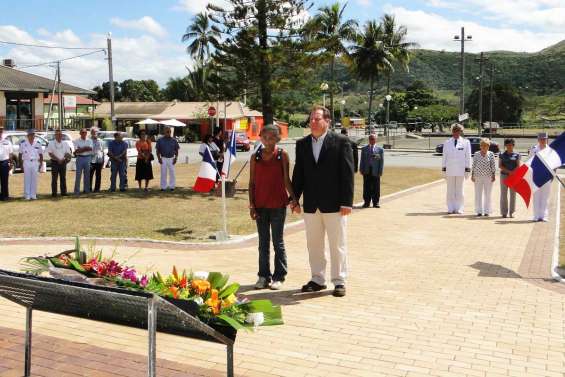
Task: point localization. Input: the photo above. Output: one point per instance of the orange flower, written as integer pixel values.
(183, 282)
(213, 302)
(174, 291)
(200, 287)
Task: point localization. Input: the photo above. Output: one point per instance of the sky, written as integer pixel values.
(146, 34)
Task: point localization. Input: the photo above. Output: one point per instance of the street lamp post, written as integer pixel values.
(324, 87)
(462, 39)
(388, 98)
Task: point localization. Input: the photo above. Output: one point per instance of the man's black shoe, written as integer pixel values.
(376, 206)
(312, 287)
(339, 291)
(366, 205)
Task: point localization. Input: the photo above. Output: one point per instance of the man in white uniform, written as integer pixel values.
(31, 158)
(456, 167)
(541, 196)
(6, 151)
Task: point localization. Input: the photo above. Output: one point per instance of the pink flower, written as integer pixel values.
(129, 274)
(143, 282)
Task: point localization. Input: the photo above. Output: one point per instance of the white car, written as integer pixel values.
(67, 139)
(16, 137)
(131, 152)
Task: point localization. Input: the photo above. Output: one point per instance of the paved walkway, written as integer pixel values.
(429, 295)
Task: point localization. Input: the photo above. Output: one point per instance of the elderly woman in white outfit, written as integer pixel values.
(456, 166)
(483, 175)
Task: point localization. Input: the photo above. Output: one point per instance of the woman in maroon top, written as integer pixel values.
(269, 182)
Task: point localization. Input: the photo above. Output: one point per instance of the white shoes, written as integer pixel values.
(276, 285)
(262, 283)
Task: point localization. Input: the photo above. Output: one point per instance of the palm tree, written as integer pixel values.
(328, 33)
(369, 56)
(202, 35)
(395, 41)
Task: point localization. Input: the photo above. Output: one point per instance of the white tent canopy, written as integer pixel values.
(173, 123)
(147, 121)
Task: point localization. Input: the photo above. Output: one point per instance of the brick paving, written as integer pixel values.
(429, 295)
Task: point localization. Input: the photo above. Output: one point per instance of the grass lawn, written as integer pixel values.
(182, 215)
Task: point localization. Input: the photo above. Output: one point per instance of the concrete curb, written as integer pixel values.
(237, 240)
(555, 259)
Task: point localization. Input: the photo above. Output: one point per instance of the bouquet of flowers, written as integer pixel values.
(204, 294)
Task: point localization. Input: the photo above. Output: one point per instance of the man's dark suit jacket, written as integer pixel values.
(327, 184)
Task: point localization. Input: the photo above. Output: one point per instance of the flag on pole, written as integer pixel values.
(207, 174)
(229, 156)
(538, 170)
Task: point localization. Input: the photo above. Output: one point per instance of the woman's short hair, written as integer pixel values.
(509, 141)
(142, 131)
(457, 127)
(207, 138)
(485, 141)
(271, 128)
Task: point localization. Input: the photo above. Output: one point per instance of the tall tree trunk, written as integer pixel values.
(264, 65)
(371, 98)
(332, 85)
(388, 82)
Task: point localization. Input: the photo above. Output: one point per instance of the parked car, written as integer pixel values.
(67, 138)
(475, 146)
(16, 137)
(242, 141)
(131, 153)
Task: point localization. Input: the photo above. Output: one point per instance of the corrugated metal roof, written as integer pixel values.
(80, 100)
(13, 80)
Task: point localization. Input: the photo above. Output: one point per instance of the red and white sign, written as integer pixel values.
(211, 111)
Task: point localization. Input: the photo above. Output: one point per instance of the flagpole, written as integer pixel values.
(224, 211)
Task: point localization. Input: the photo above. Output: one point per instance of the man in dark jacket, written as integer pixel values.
(372, 163)
(354, 149)
(323, 174)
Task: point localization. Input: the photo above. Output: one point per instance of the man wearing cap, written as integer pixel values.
(456, 167)
(83, 153)
(167, 149)
(31, 158)
(6, 151)
(541, 196)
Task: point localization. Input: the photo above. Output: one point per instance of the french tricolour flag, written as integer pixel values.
(538, 170)
(207, 173)
(229, 156)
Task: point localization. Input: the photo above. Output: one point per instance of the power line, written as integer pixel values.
(46, 46)
(62, 60)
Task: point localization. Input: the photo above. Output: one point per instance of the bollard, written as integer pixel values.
(186, 159)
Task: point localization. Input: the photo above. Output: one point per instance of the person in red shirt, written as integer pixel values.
(269, 192)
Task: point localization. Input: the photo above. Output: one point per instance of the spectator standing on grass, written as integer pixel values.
(456, 167)
(143, 168)
(508, 162)
(372, 165)
(541, 196)
(83, 153)
(167, 154)
(97, 161)
(31, 158)
(117, 151)
(269, 183)
(323, 173)
(221, 144)
(60, 154)
(6, 150)
(483, 176)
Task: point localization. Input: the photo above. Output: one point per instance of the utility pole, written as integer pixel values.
(491, 93)
(462, 39)
(481, 61)
(59, 96)
(111, 78)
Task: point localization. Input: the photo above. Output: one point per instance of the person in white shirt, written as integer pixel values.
(483, 175)
(6, 151)
(31, 158)
(83, 153)
(60, 154)
(97, 162)
(541, 196)
(456, 166)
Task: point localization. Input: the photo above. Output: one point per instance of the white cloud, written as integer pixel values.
(143, 57)
(441, 4)
(364, 3)
(433, 31)
(146, 24)
(197, 6)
